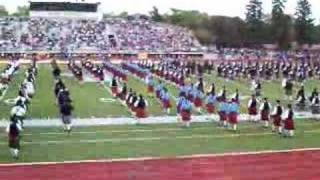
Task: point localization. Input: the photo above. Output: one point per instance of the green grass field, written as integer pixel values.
(87, 96)
(52, 144)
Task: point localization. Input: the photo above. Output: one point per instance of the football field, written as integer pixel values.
(150, 151)
(51, 144)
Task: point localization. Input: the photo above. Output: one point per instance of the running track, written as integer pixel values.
(300, 165)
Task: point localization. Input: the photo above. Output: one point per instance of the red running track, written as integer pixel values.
(304, 165)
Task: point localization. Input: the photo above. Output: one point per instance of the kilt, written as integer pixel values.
(222, 115)
(185, 115)
(122, 96)
(198, 102)
(252, 111)
(233, 118)
(276, 120)
(80, 78)
(166, 104)
(157, 93)
(190, 97)
(101, 78)
(150, 89)
(66, 119)
(114, 90)
(289, 124)
(264, 115)
(14, 142)
(210, 108)
(141, 113)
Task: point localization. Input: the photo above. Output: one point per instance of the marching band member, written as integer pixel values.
(185, 111)
(197, 96)
(13, 130)
(288, 87)
(159, 88)
(265, 108)
(150, 83)
(289, 122)
(165, 99)
(211, 103)
(114, 86)
(252, 108)
(19, 112)
(233, 112)
(123, 93)
(301, 98)
(223, 110)
(276, 116)
(141, 107)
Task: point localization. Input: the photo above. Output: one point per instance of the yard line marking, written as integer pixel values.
(231, 154)
(152, 138)
(143, 130)
(164, 129)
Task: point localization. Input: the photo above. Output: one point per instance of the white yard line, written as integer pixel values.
(144, 139)
(126, 160)
(213, 127)
(4, 94)
(130, 121)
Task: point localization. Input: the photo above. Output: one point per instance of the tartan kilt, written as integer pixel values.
(222, 115)
(233, 118)
(101, 78)
(252, 111)
(190, 97)
(158, 94)
(185, 115)
(122, 96)
(264, 115)
(210, 108)
(80, 78)
(276, 120)
(124, 78)
(198, 102)
(114, 90)
(14, 142)
(141, 113)
(289, 124)
(166, 104)
(150, 89)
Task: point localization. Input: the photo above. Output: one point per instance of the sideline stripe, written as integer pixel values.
(163, 158)
(248, 126)
(159, 138)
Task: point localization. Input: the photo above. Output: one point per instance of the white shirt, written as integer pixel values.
(18, 111)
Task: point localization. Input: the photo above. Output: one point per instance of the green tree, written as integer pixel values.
(22, 11)
(3, 11)
(254, 21)
(304, 27)
(281, 25)
(155, 15)
(278, 9)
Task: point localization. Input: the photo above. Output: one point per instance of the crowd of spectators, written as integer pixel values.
(114, 34)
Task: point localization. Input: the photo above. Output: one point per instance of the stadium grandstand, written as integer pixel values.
(74, 27)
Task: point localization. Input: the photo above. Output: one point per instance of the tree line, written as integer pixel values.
(258, 27)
